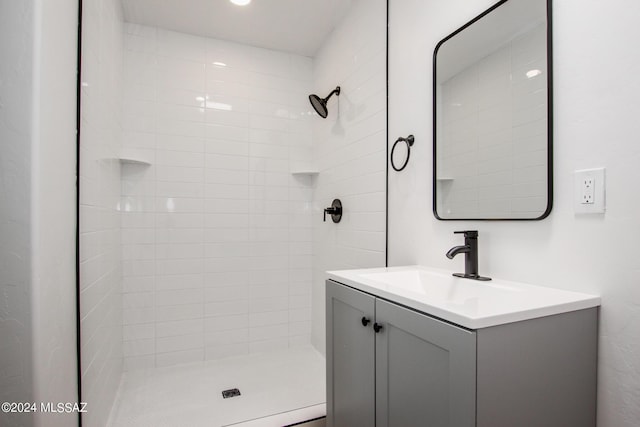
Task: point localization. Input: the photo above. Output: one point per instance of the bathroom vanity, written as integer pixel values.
(412, 346)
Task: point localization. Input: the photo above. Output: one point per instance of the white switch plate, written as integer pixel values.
(589, 191)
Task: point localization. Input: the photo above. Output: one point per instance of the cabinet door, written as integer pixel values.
(425, 370)
(350, 357)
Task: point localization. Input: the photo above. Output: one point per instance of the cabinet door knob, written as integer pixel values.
(377, 327)
(365, 321)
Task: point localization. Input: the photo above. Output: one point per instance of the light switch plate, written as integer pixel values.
(589, 191)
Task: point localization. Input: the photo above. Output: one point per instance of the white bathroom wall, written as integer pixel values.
(52, 212)
(216, 230)
(16, 97)
(349, 149)
(100, 260)
(596, 106)
(37, 221)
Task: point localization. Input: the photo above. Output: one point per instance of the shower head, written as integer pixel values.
(320, 104)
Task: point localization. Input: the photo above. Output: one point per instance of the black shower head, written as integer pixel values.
(320, 104)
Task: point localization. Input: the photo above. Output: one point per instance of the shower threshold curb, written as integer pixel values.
(285, 418)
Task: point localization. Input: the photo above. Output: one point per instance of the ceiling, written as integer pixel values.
(296, 26)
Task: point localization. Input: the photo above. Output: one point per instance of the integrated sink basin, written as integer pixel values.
(468, 303)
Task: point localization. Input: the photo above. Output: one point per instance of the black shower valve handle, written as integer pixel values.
(335, 210)
(330, 210)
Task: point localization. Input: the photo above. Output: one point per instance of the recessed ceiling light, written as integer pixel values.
(241, 2)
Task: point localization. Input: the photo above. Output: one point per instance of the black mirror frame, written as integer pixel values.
(549, 118)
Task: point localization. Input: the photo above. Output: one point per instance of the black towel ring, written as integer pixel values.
(409, 141)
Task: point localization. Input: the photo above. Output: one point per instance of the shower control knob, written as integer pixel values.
(335, 210)
(365, 321)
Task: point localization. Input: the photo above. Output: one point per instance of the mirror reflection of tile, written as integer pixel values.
(492, 127)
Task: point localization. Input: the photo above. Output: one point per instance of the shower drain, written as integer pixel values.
(232, 392)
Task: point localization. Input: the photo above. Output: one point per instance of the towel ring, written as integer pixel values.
(409, 141)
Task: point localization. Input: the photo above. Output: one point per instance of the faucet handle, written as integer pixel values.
(467, 233)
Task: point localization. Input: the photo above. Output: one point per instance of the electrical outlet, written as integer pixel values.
(589, 191)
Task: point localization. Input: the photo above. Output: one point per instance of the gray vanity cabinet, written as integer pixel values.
(425, 370)
(414, 371)
(392, 366)
(350, 357)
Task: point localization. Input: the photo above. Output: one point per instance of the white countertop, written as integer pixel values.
(469, 303)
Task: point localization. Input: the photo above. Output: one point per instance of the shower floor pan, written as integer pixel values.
(276, 389)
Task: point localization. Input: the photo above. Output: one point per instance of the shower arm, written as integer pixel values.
(336, 91)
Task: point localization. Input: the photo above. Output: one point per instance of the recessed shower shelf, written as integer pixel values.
(310, 172)
(134, 161)
(133, 157)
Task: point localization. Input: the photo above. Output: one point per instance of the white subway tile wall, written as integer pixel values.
(349, 148)
(100, 248)
(217, 233)
(495, 146)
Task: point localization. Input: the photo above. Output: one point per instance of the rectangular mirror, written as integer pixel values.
(492, 115)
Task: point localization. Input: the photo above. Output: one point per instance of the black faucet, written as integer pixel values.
(470, 251)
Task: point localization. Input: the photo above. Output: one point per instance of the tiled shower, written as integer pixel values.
(204, 173)
(217, 233)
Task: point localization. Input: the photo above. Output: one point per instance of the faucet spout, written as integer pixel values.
(464, 249)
